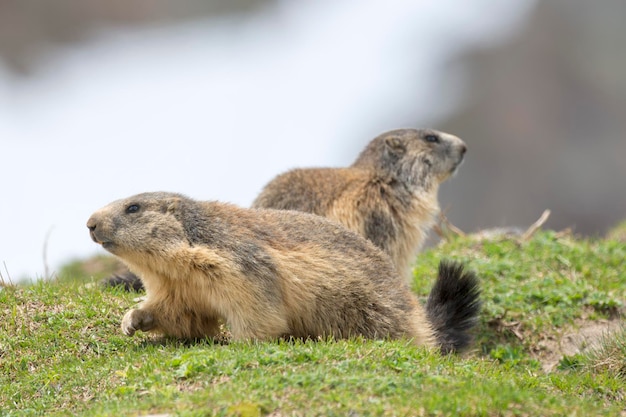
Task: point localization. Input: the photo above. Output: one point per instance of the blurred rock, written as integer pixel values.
(28, 28)
(545, 122)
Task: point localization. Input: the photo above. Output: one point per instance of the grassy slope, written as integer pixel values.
(61, 352)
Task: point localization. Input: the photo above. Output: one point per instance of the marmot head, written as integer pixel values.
(143, 224)
(416, 157)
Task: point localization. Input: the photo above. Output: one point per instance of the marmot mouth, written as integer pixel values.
(105, 243)
(456, 166)
(93, 237)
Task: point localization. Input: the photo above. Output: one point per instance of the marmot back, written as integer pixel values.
(269, 274)
(388, 195)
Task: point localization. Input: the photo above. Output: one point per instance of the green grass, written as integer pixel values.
(537, 289)
(62, 353)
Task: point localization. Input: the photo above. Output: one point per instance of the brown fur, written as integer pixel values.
(266, 273)
(388, 195)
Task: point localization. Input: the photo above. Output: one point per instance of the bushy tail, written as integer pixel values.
(453, 306)
(127, 280)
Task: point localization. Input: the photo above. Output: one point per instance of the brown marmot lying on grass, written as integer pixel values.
(270, 273)
(388, 195)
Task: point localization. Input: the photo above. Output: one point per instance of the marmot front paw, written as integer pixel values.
(137, 319)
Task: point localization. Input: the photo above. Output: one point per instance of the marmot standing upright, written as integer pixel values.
(388, 195)
(270, 274)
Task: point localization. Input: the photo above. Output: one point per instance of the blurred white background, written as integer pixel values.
(214, 106)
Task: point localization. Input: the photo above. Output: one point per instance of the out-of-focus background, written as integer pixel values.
(103, 99)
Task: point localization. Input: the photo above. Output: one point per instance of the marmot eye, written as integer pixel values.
(431, 138)
(133, 208)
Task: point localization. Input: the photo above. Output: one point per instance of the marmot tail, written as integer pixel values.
(453, 306)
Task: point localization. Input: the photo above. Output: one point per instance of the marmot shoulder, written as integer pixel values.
(269, 274)
(388, 195)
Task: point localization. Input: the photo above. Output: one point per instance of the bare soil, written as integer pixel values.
(585, 336)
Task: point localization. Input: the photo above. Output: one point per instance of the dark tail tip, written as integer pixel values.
(453, 306)
(128, 280)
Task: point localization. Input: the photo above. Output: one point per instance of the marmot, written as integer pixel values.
(388, 195)
(270, 273)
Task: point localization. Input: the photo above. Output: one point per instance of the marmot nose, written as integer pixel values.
(91, 224)
(463, 149)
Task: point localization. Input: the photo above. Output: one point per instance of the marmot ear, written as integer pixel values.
(395, 145)
(173, 205)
